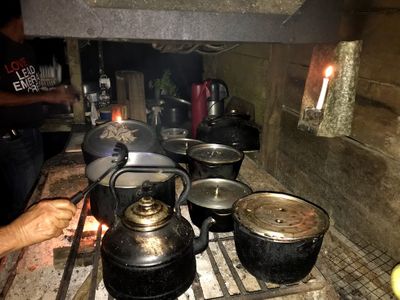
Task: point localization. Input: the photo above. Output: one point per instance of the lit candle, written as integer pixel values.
(324, 89)
(118, 119)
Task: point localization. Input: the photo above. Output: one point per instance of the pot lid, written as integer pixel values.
(137, 136)
(130, 179)
(179, 145)
(215, 153)
(176, 100)
(280, 217)
(217, 193)
(170, 133)
(147, 214)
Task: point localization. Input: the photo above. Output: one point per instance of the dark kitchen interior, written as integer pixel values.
(267, 62)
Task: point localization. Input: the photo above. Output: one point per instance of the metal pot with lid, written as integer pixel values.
(278, 236)
(136, 135)
(214, 197)
(214, 161)
(232, 129)
(149, 253)
(129, 186)
(176, 148)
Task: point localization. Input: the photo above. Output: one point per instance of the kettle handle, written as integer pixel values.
(147, 169)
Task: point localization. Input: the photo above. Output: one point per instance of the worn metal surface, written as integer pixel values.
(315, 21)
(241, 6)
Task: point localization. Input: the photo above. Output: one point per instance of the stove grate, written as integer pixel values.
(221, 276)
(219, 273)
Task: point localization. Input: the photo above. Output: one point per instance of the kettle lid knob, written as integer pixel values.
(147, 214)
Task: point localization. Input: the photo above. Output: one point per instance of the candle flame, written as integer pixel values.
(118, 119)
(328, 71)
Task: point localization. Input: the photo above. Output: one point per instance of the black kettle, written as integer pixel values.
(232, 129)
(150, 252)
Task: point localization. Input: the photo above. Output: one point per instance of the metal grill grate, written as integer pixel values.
(219, 274)
(357, 269)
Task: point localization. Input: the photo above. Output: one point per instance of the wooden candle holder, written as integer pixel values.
(335, 118)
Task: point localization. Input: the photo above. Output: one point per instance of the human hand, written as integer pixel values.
(62, 95)
(43, 221)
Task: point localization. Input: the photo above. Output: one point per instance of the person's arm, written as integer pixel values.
(41, 222)
(59, 95)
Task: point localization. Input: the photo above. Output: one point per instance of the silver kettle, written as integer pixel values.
(215, 103)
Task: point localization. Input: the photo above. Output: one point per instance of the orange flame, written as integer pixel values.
(328, 71)
(92, 224)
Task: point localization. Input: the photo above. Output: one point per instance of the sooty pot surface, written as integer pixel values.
(278, 236)
(149, 253)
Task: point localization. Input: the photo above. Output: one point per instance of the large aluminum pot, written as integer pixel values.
(95, 145)
(129, 186)
(278, 236)
(214, 161)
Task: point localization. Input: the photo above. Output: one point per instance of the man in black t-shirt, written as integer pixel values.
(21, 154)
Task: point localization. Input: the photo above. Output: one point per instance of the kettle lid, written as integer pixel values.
(147, 214)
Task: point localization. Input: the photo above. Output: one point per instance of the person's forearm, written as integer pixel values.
(8, 240)
(11, 99)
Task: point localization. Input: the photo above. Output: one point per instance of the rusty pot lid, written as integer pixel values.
(179, 145)
(280, 217)
(217, 193)
(215, 154)
(147, 214)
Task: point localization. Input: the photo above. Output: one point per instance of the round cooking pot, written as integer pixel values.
(175, 111)
(214, 161)
(278, 236)
(150, 252)
(171, 133)
(129, 186)
(176, 148)
(232, 129)
(214, 197)
(94, 146)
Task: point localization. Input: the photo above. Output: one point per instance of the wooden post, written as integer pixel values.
(130, 91)
(276, 80)
(74, 63)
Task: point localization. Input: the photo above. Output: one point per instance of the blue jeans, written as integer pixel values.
(20, 163)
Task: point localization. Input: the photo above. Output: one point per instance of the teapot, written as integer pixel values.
(149, 253)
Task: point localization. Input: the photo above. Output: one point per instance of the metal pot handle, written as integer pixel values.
(146, 169)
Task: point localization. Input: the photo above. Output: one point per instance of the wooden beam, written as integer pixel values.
(74, 63)
(276, 81)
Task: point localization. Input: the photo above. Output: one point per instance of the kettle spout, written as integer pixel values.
(200, 243)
